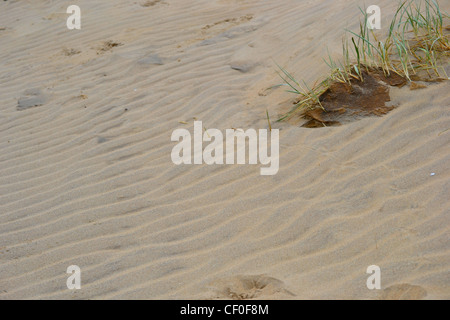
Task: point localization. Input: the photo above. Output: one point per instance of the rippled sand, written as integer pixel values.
(86, 176)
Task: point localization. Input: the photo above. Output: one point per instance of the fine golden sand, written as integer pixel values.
(86, 176)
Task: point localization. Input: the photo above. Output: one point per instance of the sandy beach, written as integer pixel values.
(86, 176)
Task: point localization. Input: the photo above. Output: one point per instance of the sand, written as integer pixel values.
(86, 176)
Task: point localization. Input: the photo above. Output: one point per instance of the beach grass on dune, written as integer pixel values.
(414, 45)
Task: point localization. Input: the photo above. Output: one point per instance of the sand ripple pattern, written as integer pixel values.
(86, 176)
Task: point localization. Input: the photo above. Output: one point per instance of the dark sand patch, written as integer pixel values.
(108, 45)
(150, 3)
(343, 103)
(70, 52)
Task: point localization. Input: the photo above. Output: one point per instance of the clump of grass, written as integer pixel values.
(414, 45)
(309, 96)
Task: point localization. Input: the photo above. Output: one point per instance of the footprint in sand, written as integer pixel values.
(248, 287)
(151, 3)
(223, 25)
(220, 30)
(68, 52)
(403, 291)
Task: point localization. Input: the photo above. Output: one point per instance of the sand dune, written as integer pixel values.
(86, 176)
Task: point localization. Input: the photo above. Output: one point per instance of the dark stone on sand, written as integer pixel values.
(244, 67)
(101, 139)
(151, 59)
(31, 98)
(207, 42)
